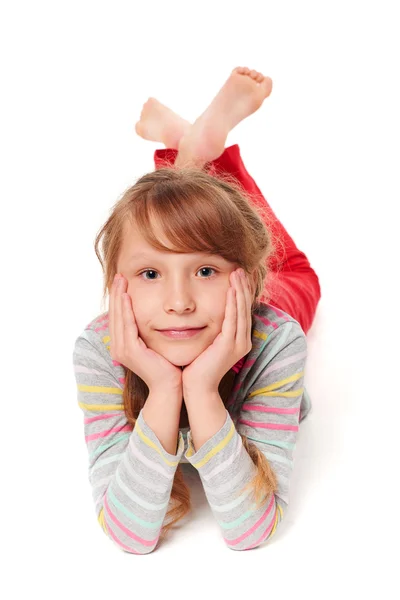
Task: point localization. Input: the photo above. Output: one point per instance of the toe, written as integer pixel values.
(259, 77)
(267, 83)
(253, 74)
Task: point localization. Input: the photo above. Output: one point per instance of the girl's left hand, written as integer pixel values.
(234, 341)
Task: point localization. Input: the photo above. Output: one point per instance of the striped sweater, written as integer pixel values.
(130, 472)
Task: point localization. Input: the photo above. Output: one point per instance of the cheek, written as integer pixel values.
(216, 313)
(138, 308)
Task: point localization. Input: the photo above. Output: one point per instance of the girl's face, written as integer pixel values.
(174, 290)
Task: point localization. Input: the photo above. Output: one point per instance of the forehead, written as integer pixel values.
(134, 242)
(135, 247)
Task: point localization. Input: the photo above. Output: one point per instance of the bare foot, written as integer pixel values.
(241, 95)
(159, 123)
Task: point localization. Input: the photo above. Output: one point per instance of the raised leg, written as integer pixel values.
(292, 285)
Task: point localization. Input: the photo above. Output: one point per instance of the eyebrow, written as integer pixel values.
(139, 255)
(147, 256)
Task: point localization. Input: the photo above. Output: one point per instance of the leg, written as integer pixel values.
(292, 284)
(241, 95)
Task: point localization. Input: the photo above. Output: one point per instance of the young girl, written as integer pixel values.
(195, 245)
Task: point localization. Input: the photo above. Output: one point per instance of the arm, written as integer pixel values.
(206, 415)
(130, 471)
(162, 412)
(269, 417)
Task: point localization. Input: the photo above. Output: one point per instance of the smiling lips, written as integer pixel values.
(182, 333)
(181, 328)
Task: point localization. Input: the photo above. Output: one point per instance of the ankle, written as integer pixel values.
(184, 161)
(186, 157)
(173, 140)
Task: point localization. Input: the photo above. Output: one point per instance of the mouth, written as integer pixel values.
(181, 333)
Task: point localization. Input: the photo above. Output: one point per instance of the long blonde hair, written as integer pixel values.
(199, 213)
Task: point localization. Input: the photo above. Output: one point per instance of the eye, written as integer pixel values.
(207, 269)
(154, 271)
(147, 271)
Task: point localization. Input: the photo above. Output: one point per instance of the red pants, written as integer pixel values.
(292, 284)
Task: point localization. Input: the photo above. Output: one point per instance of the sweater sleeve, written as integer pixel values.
(130, 472)
(269, 418)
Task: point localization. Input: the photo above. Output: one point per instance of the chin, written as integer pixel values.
(181, 362)
(181, 357)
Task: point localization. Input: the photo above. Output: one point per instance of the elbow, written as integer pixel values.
(144, 547)
(261, 531)
(131, 551)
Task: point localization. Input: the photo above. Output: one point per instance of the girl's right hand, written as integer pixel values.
(129, 349)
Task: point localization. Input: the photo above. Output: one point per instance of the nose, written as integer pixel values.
(179, 298)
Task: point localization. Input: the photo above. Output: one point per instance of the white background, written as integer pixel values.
(324, 149)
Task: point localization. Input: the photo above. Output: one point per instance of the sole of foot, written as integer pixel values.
(241, 95)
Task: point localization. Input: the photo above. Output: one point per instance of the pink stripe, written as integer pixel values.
(266, 321)
(116, 363)
(246, 365)
(102, 318)
(269, 425)
(255, 526)
(274, 367)
(125, 529)
(237, 387)
(98, 320)
(118, 541)
(279, 313)
(100, 417)
(102, 434)
(271, 409)
(285, 361)
(266, 532)
(250, 362)
(237, 367)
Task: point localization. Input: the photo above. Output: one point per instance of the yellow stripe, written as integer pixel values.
(278, 384)
(190, 450)
(101, 520)
(99, 389)
(274, 527)
(290, 394)
(101, 407)
(276, 520)
(106, 338)
(260, 334)
(215, 450)
(148, 441)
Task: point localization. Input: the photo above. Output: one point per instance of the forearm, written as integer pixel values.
(206, 415)
(162, 413)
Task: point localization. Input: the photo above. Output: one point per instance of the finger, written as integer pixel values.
(229, 324)
(111, 315)
(118, 317)
(241, 328)
(129, 322)
(248, 306)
